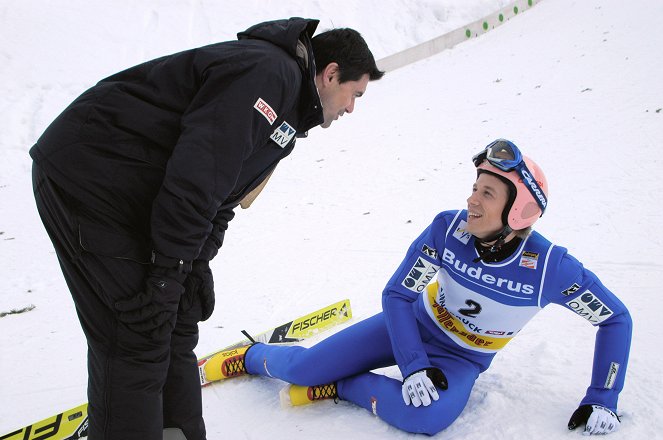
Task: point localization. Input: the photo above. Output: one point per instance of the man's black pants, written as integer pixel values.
(137, 385)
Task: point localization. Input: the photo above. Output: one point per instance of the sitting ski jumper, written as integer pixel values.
(467, 285)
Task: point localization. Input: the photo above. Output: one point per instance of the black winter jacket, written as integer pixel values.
(158, 155)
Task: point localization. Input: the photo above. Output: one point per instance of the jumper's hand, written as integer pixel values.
(418, 387)
(596, 418)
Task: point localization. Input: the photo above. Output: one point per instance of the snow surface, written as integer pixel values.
(577, 84)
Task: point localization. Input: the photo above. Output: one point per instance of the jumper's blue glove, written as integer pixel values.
(419, 387)
(596, 418)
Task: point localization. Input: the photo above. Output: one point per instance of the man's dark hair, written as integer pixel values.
(347, 48)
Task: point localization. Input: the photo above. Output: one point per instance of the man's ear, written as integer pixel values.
(330, 73)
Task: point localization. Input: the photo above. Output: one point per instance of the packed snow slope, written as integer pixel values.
(576, 84)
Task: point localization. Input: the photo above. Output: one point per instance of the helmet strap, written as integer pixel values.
(493, 244)
(498, 239)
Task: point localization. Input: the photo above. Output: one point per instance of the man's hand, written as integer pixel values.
(201, 282)
(153, 311)
(419, 387)
(596, 418)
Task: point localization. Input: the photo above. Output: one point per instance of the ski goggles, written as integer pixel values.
(505, 155)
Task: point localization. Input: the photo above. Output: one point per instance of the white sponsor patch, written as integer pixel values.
(420, 275)
(265, 110)
(283, 134)
(529, 259)
(612, 376)
(461, 234)
(590, 307)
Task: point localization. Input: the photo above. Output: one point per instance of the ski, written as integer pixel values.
(72, 424)
(67, 425)
(297, 330)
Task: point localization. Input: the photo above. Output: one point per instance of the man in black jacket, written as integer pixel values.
(137, 180)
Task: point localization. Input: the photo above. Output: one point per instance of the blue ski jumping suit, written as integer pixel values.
(445, 308)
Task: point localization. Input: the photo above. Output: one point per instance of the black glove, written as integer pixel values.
(596, 418)
(153, 312)
(438, 378)
(201, 282)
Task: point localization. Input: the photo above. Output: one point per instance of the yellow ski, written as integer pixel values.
(293, 331)
(67, 425)
(73, 423)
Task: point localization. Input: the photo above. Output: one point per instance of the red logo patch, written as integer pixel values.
(265, 110)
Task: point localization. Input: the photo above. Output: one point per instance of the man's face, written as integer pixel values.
(485, 206)
(338, 98)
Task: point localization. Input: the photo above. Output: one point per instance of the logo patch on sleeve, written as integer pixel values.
(571, 290)
(283, 134)
(427, 250)
(461, 234)
(420, 275)
(529, 259)
(265, 110)
(590, 307)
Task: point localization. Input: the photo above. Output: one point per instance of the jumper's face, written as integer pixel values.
(485, 206)
(338, 98)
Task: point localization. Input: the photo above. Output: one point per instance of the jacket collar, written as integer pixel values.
(294, 36)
